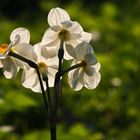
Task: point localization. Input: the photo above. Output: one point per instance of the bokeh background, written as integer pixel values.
(112, 110)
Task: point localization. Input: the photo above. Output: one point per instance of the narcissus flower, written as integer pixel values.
(19, 38)
(47, 64)
(63, 29)
(88, 74)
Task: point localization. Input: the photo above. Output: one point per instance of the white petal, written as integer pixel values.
(74, 36)
(91, 82)
(66, 24)
(74, 80)
(96, 67)
(50, 33)
(23, 33)
(55, 28)
(81, 74)
(37, 49)
(28, 77)
(50, 38)
(70, 50)
(67, 56)
(25, 50)
(73, 39)
(53, 69)
(51, 76)
(89, 48)
(48, 52)
(54, 43)
(86, 36)
(20, 63)
(75, 28)
(82, 49)
(52, 61)
(89, 70)
(73, 42)
(10, 69)
(36, 87)
(56, 16)
(90, 59)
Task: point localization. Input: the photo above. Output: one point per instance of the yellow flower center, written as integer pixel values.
(42, 67)
(64, 35)
(3, 48)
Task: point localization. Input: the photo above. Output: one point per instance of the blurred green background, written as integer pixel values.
(112, 110)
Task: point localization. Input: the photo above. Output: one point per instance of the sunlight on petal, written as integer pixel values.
(73, 79)
(86, 36)
(10, 69)
(69, 48)
(28, 78)
(23, 33)
(75, 28)
(90, 59)
(57, 16)
(91, 82)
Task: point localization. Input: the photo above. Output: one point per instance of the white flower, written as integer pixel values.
(62, 28)
(88, 75)
(19, 43)
(47, 64)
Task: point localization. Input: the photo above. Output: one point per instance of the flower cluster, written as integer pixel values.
(64, 34)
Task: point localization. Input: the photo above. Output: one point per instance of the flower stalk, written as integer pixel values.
(52, 126)
(29, 62)
(72, 68)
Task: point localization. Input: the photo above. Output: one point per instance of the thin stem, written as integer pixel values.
(52, 120)
(60, 55)
(72, 67)
(43, 92)
(45, 78)
(29, 62)
(57, 83)
(53, 131)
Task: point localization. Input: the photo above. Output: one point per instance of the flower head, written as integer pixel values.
(19, 43)
(88, 75)
(47, 65)
(63, 29)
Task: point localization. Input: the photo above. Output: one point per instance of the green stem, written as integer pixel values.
(51, 112)
(43, 92)
(45, 78)
(29, 62)
(60, 56)
(72, 67)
